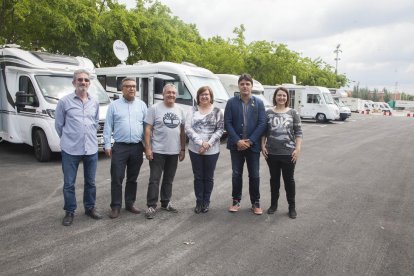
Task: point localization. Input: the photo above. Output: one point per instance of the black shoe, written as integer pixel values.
(204, 208)
(272, 209)
(93, 213)
(68, 219)
(292, 213)
(114, 213)
(198, 208)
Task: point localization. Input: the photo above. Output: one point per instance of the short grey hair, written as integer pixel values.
(81, 71)
(169, 85)
(124, 80)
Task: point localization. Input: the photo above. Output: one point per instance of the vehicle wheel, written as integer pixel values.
(320, 117)
(41, 146)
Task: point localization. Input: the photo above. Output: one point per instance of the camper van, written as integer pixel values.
(311, 102)
(344, 111)
(380, 107)
(151, 78)
(31, 84)
(356, 105)
(230, 83)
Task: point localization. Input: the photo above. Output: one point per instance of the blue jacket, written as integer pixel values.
(233, 122)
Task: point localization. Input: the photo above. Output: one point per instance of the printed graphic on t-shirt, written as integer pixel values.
(171, 120)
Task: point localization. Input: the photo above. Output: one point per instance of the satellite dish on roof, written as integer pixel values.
(120, 51)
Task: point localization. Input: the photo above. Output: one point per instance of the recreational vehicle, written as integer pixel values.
(356, 105)
(151, 78)
(230, 83)
(31, 84)
(311, 102)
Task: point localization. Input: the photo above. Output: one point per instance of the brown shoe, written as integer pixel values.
(114, 213)
(133, 209)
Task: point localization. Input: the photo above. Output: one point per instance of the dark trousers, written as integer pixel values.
(282, 164)
(203, 170)
(165, 165)
(237, 163)
(129, 157)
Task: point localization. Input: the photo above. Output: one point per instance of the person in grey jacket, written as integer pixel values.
(245, 122)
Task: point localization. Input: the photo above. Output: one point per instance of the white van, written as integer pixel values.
(31, 83)
(356, 104)
(381, 107)
(344, 111)
(311, 102)
(230, 83)
(151, 78)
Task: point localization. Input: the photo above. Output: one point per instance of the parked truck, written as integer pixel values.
(311, 102)
(31, 84)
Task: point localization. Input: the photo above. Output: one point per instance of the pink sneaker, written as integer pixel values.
(235, 207)
(257, 210)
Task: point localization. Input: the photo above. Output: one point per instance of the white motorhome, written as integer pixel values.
(31, 83)
(380, 107)
(356, 104)
(230, 83)
(151, 78)
(344, 111)
(311, 102)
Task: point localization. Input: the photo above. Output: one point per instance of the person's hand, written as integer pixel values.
(204, 147)
(243, 145)
(108, 152)
(182, 155)
(264, 151)
(295, 155)
(148, 154)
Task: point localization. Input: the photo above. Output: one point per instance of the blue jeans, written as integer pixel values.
(70, 164)
(237, 163)
(203, 170)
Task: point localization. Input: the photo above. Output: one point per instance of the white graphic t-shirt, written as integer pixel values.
(166, 123)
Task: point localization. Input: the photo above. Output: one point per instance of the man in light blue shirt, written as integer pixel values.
(125, 122)
(76, 123)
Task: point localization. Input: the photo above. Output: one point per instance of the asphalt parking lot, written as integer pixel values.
(354, 201)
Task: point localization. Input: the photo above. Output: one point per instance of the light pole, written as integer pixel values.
(337, 51)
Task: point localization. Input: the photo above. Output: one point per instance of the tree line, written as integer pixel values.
(89, 28)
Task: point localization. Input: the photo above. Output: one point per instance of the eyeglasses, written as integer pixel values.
(130, 86)
(83, 79)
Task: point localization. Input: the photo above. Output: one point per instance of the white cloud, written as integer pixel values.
(376, 37)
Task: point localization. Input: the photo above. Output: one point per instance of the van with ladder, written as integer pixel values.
(31, 84)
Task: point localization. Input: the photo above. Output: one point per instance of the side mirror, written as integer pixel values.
(116, 96)
(23, 99)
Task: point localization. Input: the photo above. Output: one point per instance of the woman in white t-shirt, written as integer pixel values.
(204, 127)
(281, 147)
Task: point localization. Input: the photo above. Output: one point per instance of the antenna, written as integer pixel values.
(121, 51)
(337, 51)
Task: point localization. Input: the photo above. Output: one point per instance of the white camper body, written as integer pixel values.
(344, 111)
(356, 105)
(151, 78)
(31, 83)
(311, 102)
(230, 83)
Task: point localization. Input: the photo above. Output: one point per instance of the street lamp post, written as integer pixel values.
(337, 51)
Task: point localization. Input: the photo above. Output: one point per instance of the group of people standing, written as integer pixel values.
(160, 133)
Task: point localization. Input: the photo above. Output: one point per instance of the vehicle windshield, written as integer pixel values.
(339, 102)
(220, 94)
(55, 87)
(328, 98)
(259, 94)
